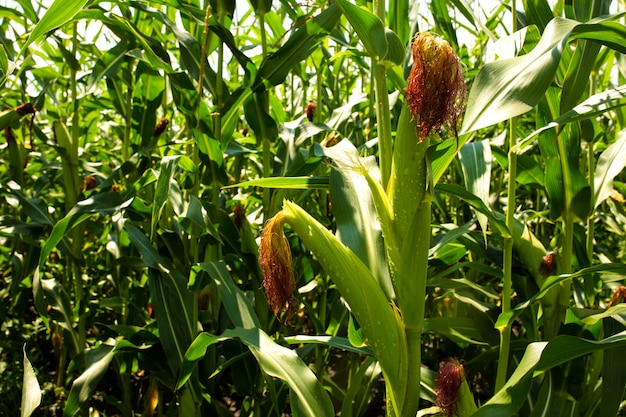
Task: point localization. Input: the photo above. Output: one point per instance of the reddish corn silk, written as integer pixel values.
(436, 89)
(449, 379)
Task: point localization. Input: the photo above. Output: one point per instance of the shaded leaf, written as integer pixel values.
(98, 359)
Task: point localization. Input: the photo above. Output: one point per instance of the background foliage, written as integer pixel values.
(146, 144)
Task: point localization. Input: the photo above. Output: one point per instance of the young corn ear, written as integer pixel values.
(453, 394)
(382, 326)
(275, 261)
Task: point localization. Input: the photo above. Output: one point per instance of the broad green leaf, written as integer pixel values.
(332, 341)
(552, 282)
(196, 221)
(299, 46)
(577, 76)
(357, 399)
(303, 183)
(610, 34)
(496, 222)
(457, 329)
(98, 360)
(276, 361)
(613, 375)
(162, 189)
(611, 162)
(442, 154)
(105, 203)
(31, 392)
(540, 357)
(261, 122)
(584, 58)
(595, 105)
(59, 13)
(358, 226)
(368, 27)
(235, 302)
(476, 160)
(108, 64)
(510, 87)
(195, 352)
(174, 304)
(4, 64)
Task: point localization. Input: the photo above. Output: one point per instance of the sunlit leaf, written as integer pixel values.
(368, 27)
(475, 160)
(59, 13)
(510, 87)
(611, 162)
(31, 392)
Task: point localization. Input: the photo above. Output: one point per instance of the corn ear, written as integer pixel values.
(382, 328)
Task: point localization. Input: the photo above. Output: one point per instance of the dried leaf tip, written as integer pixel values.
(436, 89)
(275, 262)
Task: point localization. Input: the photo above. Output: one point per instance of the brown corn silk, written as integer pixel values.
(435, 90)
(275, 261)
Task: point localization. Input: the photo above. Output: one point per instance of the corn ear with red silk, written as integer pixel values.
(377, 316)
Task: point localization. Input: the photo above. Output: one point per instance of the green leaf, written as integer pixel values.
(299, 183)
(457, 329)
(172, 301)
(613, 375)
(357, 284)
(276, 361)
(332, 341)
(509, 87)
(496, 222)
(552, 282)
(610, 34)
(235, 302)
(358, 226)
(611, 162)
(4, 64)
(98, 359)
(538, 358)
(59, 13)
(595, 105)
(368, 27)
(299, 46)
(475, 160)
(105, 203)
(31, 392)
